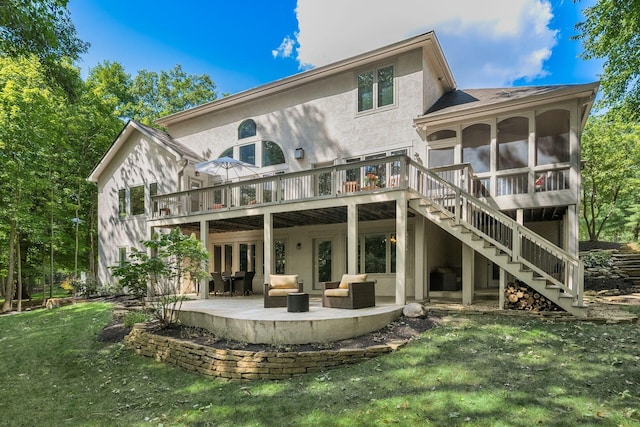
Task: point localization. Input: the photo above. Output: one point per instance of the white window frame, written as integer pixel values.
(376, 107)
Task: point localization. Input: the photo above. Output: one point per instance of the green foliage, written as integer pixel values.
(42, 28)
(611, 31)
(149, 95)
(175, 259)
(485, 370)
(595, 259)
(133, 317)
(611, 175)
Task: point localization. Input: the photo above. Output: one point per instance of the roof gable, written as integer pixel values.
(428, 42)
(163, 139)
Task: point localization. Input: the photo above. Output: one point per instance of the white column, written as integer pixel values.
(503, 280)
(401, 249)
(571, 231)
(468, 270)
(151, 292)
(268, 245)
(420, 259)
(352, 238)
(204, 238)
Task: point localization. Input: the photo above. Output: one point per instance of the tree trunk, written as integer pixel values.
(51, 248)
(8, 298)
(19, 256)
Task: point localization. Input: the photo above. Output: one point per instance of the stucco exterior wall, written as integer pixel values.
(320, 117)
(140, 161)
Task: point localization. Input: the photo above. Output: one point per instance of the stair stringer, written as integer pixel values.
(447, 222)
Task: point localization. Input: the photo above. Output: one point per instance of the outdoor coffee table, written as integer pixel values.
(297, 302)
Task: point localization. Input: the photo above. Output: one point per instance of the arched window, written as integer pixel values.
(513, 143)
(227, 153)
(476, 147)
(271, 154)
(247, 129)
(441, 134)
(552, 137)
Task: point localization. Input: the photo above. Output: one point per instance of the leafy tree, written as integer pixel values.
(29, 129)
(611, 148)
(160, 94)
(42, 28)
(611, 32)
(175, 259)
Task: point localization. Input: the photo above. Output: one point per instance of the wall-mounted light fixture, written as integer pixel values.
(299, 153)
(197, 173)
(299, 246)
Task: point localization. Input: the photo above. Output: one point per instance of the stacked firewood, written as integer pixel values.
(519, 296)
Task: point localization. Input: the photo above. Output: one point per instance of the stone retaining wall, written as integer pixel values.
(242, 364)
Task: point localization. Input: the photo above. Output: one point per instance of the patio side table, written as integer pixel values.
(297, 302)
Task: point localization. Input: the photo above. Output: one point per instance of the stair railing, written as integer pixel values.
(545, 259)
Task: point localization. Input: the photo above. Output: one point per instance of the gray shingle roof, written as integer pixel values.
(459, 100)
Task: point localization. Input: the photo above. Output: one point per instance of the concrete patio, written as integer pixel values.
(245, 319)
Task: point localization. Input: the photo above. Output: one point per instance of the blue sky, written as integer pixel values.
(242, 44)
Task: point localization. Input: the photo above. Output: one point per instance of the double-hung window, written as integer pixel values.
(376, 88)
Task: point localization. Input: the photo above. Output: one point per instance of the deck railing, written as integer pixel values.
(448, 189)
(368, 176)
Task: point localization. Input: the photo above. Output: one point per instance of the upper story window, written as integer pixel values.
(476, 147)
(247, 129)
(122, 202)
(376, 88)
(268, 151)
(248, 153)
(513, 143)
(271, 154)
(552, 137)
(137, 200)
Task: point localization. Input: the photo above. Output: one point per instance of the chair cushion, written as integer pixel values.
(336, 292)
(283, 281)
(281, 292)
(351, 278)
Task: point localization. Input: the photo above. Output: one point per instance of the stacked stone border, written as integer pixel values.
(242, 364)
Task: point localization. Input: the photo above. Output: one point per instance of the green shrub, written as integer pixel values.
(597, 259)
(133, 317)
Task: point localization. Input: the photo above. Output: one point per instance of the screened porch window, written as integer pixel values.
(513, 143)
(441, 157)
(552, 137)
(476, 147)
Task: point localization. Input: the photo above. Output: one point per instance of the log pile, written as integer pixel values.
(519, 296)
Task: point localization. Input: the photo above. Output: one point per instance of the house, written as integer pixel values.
(377, 163)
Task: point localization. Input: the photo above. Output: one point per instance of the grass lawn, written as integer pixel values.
(480, 370)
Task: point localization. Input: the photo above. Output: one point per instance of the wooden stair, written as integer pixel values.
(528, 257)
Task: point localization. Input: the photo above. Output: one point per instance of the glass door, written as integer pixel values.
(322, 266)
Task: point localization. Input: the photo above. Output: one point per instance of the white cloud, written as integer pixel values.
(488, 43)
(285, 49)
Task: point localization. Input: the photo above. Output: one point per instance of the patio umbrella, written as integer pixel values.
(214, 166)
